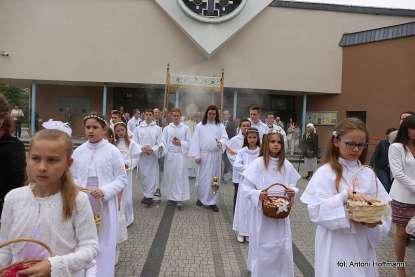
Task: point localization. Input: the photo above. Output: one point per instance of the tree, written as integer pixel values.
(17, 97)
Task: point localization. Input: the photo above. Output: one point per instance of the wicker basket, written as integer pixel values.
(11, 270)
(366, 212)
(97, 216)
(276, 206)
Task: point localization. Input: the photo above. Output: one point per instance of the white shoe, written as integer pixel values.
(240, 238)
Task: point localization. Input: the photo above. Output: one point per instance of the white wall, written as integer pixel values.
(131, 41)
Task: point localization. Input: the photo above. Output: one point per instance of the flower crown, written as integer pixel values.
(120, 123)
(95, 116)
(252, 130)
(272, 131)
(58, 125)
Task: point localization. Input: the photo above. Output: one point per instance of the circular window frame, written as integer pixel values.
(215, 20)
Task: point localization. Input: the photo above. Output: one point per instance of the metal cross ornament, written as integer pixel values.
(212, 11)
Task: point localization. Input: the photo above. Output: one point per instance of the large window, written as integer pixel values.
(150, 96)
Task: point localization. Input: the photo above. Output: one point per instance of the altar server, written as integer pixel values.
(148, 138)
(270, 244)
(207, 145)
(176, 138)
(339, 241)
(99, 167)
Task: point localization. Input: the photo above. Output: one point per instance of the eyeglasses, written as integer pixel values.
(353, 145)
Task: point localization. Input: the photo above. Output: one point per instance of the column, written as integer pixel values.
(304, 114)
(104, 100)
(33, 109)
(235, 103)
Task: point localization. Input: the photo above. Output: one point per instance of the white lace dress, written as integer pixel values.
(74, 242)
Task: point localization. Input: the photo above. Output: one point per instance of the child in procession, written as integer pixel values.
(99, 167)
(176, 138)
(148, 138)
(338, 239)
(50, 209)
(270, 243)
(245, 156)
(131, 152)
(207, 146)
(235, 144)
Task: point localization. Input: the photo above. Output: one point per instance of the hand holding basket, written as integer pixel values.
(276, 206)
(11, 270)
(371, 211)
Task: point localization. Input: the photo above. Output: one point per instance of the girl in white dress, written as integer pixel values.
(270, 244)
(99, 167)
(340, 243)
(245, 156)
(49, 209)
(131, 152)
(235, 144)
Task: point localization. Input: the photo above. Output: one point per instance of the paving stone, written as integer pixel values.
(201, 243)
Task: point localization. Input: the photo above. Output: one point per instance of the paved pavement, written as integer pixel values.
(164, 241)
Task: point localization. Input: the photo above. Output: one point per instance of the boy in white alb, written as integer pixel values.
(148, 137)
(176, 138)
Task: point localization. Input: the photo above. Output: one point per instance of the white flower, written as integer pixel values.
(282, 208)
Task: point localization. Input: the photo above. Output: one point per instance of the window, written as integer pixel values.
(357, 114)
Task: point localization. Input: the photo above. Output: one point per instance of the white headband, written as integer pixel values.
(58, 125)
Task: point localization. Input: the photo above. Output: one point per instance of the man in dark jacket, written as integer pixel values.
(12, 153)
(229, 124)
(381, 161)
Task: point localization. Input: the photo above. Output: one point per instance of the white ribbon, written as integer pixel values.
(58, 125)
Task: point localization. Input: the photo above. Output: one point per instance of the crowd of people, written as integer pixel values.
(80, 203)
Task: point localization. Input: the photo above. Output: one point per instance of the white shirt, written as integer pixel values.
(402, 165)
(133, 123)
(261, 126)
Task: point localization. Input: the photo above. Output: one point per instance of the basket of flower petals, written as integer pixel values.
(366, 211)
(276, 206)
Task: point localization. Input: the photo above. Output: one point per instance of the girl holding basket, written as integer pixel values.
(270, 244)
(51, 210)
(341, 241)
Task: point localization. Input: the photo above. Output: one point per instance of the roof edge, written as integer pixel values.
(343, 8)
(397, 31)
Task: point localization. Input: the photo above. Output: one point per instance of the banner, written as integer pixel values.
(191, 80)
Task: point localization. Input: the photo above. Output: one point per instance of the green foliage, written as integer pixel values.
(17, 97)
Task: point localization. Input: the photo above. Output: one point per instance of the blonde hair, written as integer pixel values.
(265, 153)
(68, 189)
(332, 154)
